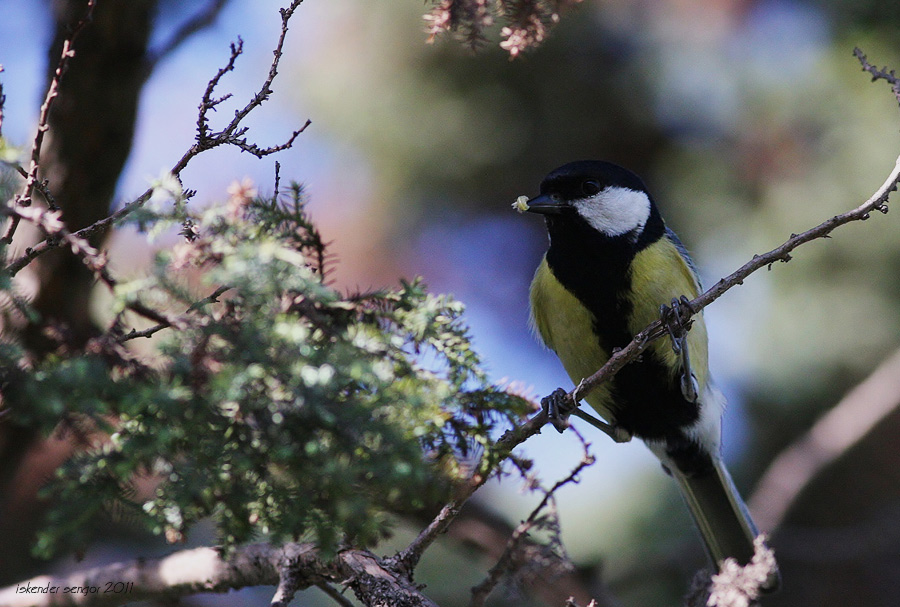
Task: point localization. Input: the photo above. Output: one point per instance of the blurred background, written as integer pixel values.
(747, 119)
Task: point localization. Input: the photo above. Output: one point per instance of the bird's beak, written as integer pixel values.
(547, 204)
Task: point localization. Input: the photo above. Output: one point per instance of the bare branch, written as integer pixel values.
(838, 430)
(232, 134)
(207, 570)
(513, 558)
(208, 102)
(263, 152)
(24, 199)
(339, 598)
(276, 194)
(409, 558)
(42, 185)
(42, 247)
(165, 323)
(2, 103)
(879, 74)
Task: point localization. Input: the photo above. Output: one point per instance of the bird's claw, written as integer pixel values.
(558, 407)
(690, 389)
(677, 320)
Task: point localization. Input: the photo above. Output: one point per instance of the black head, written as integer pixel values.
(609, 198)
(584, 178)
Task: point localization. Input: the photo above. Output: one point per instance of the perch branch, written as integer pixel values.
(877, 202)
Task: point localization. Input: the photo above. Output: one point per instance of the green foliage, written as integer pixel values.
(286, 409)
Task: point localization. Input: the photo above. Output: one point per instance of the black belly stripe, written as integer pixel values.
(596, 269)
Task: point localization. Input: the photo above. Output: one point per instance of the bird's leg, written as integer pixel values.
(678, 324)
(559, 407)
(618, 434)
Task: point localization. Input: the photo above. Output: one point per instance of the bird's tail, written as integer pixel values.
(722, 517)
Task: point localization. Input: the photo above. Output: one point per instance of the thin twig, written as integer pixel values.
(41, 185)
(409, 557)
(211, 298)
(2, 103)
(338, 598)
(266, 89)
(24, 199)
(879, 74)
(207, 102)
(507, 561)
(277, 180)
(232, 134)
(32, 253)
(167, 323)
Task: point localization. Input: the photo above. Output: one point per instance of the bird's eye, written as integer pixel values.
(590, 187)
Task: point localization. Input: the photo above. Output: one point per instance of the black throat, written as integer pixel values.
(595, 268)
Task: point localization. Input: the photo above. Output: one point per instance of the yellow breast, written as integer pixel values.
(566, 327)
(658, 275)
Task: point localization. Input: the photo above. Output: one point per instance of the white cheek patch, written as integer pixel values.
(615, 211)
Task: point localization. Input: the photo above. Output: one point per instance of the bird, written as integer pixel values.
(613, 267)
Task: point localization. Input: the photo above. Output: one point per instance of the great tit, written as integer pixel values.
(611, 265)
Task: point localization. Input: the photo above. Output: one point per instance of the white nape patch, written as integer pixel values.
(615, 210)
